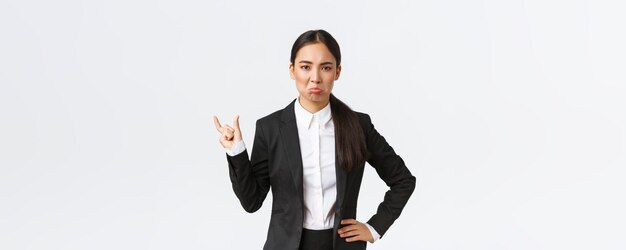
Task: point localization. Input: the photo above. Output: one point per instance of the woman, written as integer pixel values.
(312, 154)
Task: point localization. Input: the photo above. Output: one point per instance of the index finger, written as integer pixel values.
(348, 221)
(217, 124)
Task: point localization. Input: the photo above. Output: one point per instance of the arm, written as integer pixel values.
(250, 178)
(393, 171)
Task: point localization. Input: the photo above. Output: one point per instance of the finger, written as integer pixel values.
(217, 124)
(350, 233)
(229, 128)
(228, 131)
(224, 138)
(229, 136)
(236, 122)
(348, 229)
(354, 238)
(349, 221)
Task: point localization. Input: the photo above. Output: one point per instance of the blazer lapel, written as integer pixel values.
(341, 190)
(341, 184)
(291, 142)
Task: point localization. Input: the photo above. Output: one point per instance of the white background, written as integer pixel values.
(511, 114)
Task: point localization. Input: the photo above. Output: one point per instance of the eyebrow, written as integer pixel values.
(309, 62)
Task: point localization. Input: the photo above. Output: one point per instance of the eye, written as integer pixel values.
(327, 68)
(305, 67)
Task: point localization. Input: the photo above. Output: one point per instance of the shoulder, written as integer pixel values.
(277, 116)
(366, 122)
(274, 116)
(269, 122)
(364, 118)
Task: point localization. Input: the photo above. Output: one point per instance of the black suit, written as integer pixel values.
(276, 161)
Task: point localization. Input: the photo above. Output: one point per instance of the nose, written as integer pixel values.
(315, 77)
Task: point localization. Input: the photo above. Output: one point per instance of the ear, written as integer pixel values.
(291, 68)
(338, 72)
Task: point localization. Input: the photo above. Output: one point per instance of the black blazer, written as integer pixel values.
(276, 162)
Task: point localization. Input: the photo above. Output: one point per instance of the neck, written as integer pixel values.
(313, 107)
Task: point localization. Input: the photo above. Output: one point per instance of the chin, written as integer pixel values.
(318, 97)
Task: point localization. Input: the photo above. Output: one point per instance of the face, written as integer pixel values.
(315, 72)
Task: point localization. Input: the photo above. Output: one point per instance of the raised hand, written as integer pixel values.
(230, 135)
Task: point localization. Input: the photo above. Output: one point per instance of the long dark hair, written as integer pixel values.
(350, 142)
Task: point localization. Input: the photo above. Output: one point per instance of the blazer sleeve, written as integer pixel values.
(392, 170)
(250, 178)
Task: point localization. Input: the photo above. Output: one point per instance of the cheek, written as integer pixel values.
(330, 76)
(301, 80)
(301, 76)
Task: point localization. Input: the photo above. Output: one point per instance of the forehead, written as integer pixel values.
(317, 52)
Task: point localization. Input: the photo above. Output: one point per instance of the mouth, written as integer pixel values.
(315, 90)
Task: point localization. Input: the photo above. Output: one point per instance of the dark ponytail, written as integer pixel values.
(350, 142)
(349, 138)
